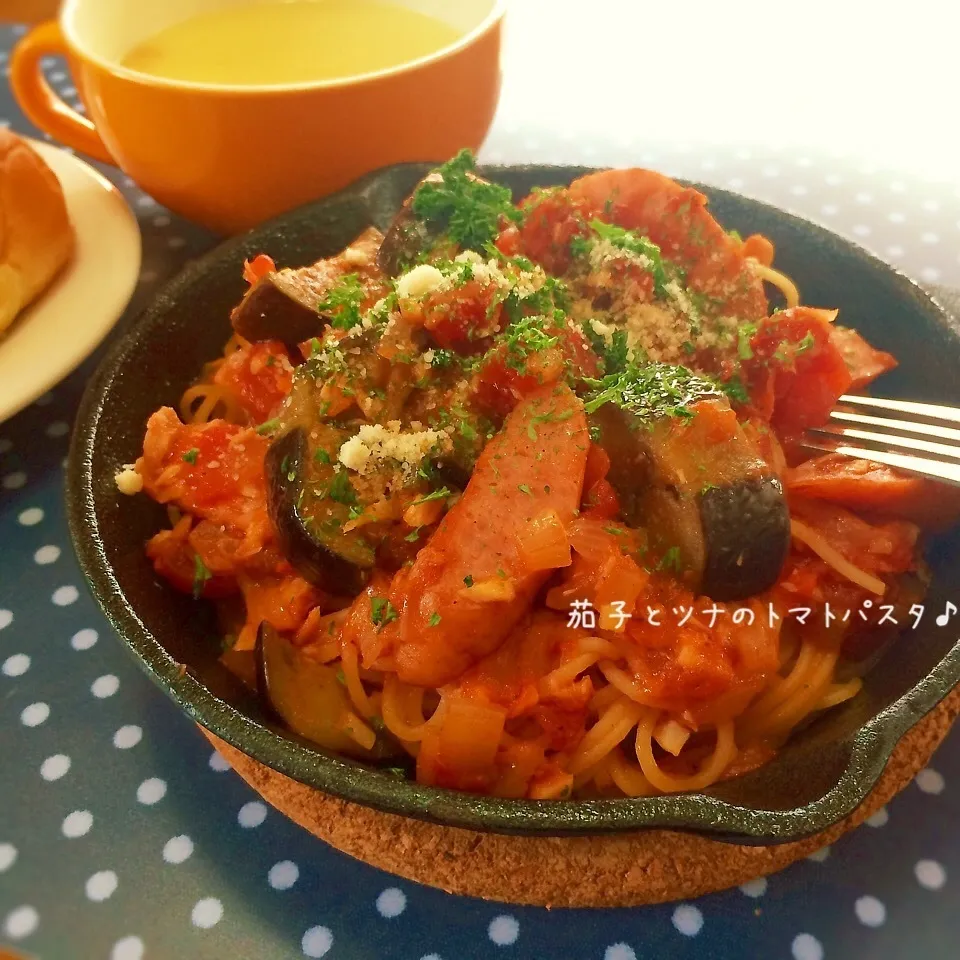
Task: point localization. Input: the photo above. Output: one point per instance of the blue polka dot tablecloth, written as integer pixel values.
(123, 837)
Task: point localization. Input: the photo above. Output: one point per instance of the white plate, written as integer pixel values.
(63, 327)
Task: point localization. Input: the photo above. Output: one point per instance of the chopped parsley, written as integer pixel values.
(436, 495)
(745, 334)
(524, 337)
(468, 580)
(341, 677)
(523, 488)
(442, 358)
(200, 575)
(434, 619)
(639, 246)
(382, 611)
(469, 209)
(268, 427)
(342, 302)
(806, 343)
(735, 390)
(651, 391)
(191, 455)
(341, 490)
(413, 536)
(671, 560)
(321, 456)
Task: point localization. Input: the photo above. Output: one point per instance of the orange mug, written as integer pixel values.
(229, 157)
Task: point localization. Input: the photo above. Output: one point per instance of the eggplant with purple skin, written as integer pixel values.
(285, 304)
(311, 699)
(685, 471)
(309, 503)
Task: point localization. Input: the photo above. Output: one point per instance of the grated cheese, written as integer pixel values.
(419, 281)
(375, 444)
(128, 481)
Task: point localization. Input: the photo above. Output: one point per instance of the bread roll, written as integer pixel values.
(36, 238)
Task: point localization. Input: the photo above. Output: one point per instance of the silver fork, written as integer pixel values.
(864, 435)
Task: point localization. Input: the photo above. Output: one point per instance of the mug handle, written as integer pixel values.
(40, 102)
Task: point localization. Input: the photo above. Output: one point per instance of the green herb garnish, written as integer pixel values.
(434, 619)
(382, 611)
(651, 391)
(468, 209)
(436, 495)
(191, 455)
(342, 302)
(341, 490)
(268, 427)
(200, 575)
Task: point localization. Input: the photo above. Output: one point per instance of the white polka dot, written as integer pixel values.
(146, 201)
(870, 911)
(432, 956)
(864, 197)
(30, 517)
(15, 480)
(878, 819)
(283, 876)
(105, 686)
(504, 930)
(316, 942)
(16, 665)
(57, 429)
(833, 179)
(77, 824)
(770, 170)
(218, 762)
(806, 947)
(252, 814)
(744, 154)
(177, 849)
(83, 639)
(55, 767)
(6, 618)
(735, 183)
(206, 913)
(896, 217)
(861, 230)
(818, 856)
(151, 791)
(619, 951)
(34, 714)
(930, 274)
(930, 237)
(129, 948)
(174, 243)
(148, 276)
(64, 596)
(803, 161)
(21, 922)
(46, 555)
(8, 856)
(897, 186)
(930, 781)
(708, 164)
(931, 206)
(829, 209)
(930, 874)
(799, 190)
(161, 221)
(688, 919)
(895, 251)
(755, 888)
(101, 886)
(127, 736)
(391, 903)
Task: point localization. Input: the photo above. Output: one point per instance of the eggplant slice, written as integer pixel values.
(714, 508)
(284, 304)
(309, 526)
(310, 699)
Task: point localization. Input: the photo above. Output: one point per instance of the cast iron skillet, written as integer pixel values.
(819, 777)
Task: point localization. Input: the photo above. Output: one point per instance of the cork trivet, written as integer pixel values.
(604, 871)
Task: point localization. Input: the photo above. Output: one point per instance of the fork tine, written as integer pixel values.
(892, 441)
(934, 469)
(901, 426)
(932, 411)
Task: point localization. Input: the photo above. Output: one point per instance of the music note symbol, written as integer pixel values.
(944, 617)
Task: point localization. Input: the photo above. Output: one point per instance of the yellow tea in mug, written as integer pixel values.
(296, 41)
